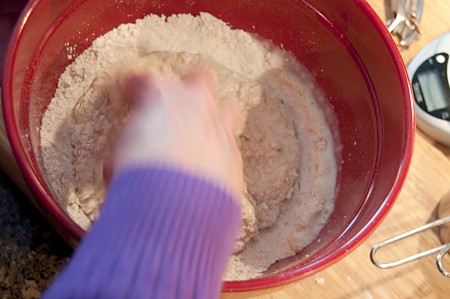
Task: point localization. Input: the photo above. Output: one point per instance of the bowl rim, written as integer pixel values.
(48, 207)
(51, 209)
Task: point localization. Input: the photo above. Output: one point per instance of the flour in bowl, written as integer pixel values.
(287, 146)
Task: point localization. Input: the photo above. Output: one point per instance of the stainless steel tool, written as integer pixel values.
(442, 222)
(403, 18)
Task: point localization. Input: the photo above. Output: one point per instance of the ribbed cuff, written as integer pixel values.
(162, 233)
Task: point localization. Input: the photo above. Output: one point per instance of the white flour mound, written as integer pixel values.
(77, 126)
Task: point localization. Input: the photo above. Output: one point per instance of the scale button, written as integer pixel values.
(440, 58)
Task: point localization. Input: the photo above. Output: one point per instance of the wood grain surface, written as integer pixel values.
(427, 181)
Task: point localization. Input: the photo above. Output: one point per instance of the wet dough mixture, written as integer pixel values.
(286, 143)
(270, 151)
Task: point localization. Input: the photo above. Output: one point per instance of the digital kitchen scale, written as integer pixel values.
(429, 73)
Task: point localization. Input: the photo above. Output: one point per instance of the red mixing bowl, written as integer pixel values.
(343, 43)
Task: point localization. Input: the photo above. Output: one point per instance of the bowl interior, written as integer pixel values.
(341, 42)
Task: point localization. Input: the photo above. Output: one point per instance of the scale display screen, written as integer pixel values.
(433, 91)
(431, 87)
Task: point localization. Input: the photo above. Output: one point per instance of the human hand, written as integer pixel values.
(179, 124)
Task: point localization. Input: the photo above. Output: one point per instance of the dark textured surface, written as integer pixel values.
(31, 251)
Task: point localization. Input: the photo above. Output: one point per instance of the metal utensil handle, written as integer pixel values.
(442, 250)
(439, 258)
(403, 18)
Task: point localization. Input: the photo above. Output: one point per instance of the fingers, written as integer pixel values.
(199, 77)
(176, 121)
(225, 119)
(199, 82)
(143, 89)
(202, 78)
(233, 121)
(147, 88)
(232, 116)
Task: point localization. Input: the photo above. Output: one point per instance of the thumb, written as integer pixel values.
(143, 90)
(232, 117)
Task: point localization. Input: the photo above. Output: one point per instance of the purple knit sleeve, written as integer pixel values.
(161, 234)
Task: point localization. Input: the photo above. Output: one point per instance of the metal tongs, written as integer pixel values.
(443, 222)
(403, 18)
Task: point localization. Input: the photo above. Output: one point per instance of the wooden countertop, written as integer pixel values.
(355, 276)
